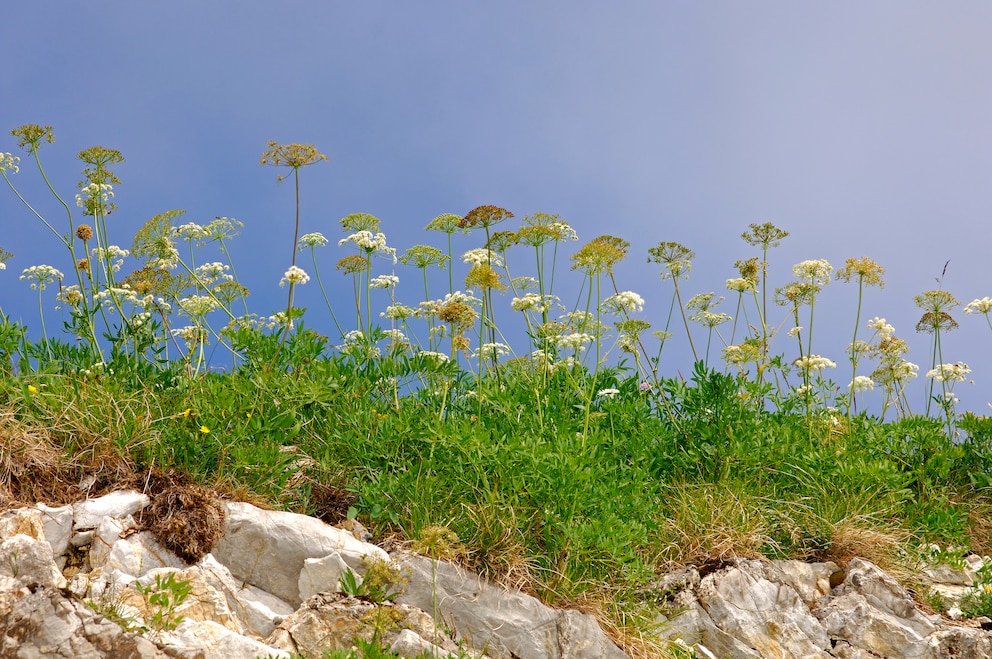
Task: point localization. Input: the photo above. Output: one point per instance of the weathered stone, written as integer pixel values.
(89, 513)
(410, 644)
(851, 617)
(268, 548)
(211, 640)
(769, 617)
(47, 624)
(29, 561)
(321, 575)
(961, 643)
(22, 521)
(883, 592)
(507, 624)
(811, 581)
(58, 529)
(330, 621)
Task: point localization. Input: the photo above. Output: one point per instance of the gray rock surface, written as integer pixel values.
(507, 624)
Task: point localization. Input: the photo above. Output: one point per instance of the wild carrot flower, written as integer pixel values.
(815, 271)
(9, 161)
(212, 273)
(398, 312)
(814, 363)
(493, 350)
(574, 341)
(482, 256)
(41, 276)
(295, 275)
(607, 393)
(861, 383)
(794, 331)
(741, 285)
(384, 281)
(982, 306)
(197, 306)
(882, 328)
(624, 302)
(191, 231)
(315, 239)
(533, 302)
(949, 372)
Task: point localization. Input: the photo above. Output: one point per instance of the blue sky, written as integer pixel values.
(862, 128)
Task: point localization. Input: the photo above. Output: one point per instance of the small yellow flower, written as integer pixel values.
(204, 429)
(187, 412)
(32, 389)
(248, 414)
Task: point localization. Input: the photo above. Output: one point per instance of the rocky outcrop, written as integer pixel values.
(756, 609)
(89, 580)
(98, 579)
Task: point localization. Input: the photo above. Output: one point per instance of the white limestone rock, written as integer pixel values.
(58, 529)
(268, 548)
(29, 560)
(89, 513)
(505, 623)
(321, 575)
(769, 617)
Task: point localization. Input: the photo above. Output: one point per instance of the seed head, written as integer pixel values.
(484, 216)
(675, 258)
(864, 270)
(353, 264)
(764, 235)
(447, 223)
(291, 155)
(84, 232)
(29, 136)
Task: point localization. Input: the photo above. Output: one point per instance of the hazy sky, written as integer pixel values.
(863, 128)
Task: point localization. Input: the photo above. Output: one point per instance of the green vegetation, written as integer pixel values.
(571, 466)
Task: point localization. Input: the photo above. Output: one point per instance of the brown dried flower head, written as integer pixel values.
(84, 232)
(353, 264)
(484, 216)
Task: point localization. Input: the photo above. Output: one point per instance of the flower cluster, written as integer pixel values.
(949, 372)
(814, 363)
(814, 271)
(626, 301)
(533, 302)
(861, 383)
(41, 276)
(741, 285)
(212, 273)
(112, 255)
(9, 161)
(384, 281)
(93, 191)
(315, 239)
(482, 256)
(982, 306)
(370, 242)
(191, 231)
(294, 276)
(574, 341)
(197, 306)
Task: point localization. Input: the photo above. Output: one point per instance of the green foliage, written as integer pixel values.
(978, 602)
(163, 598)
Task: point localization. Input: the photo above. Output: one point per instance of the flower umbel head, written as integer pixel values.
(290, 155)
(295, 275)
